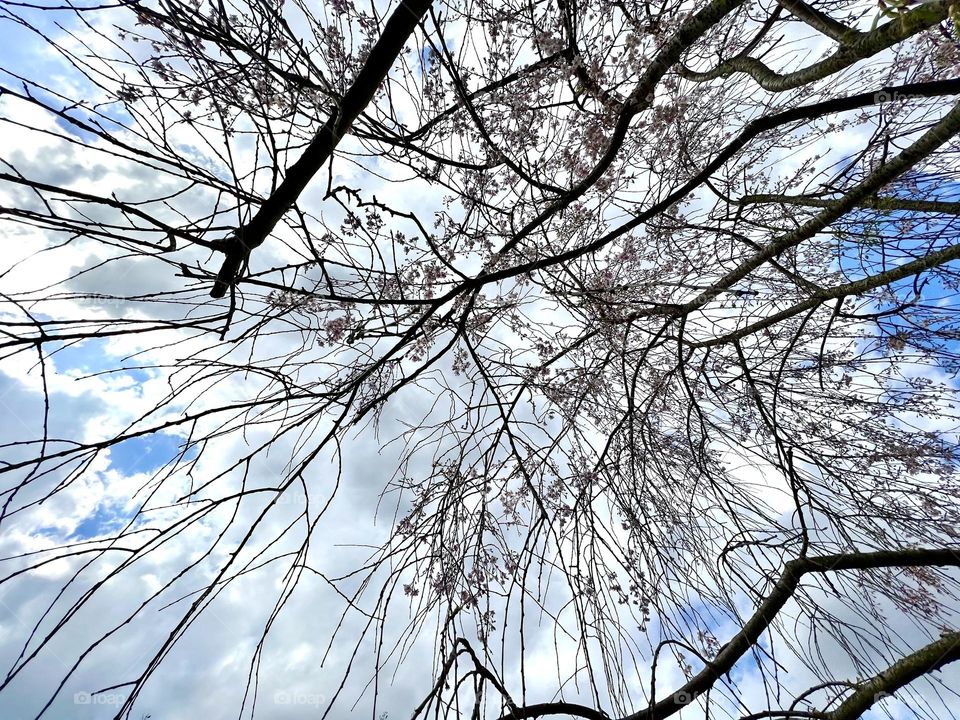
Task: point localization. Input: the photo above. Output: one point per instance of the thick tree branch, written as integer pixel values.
(641, 97)
(913, 666)
(399, 27)
(927, 144)
(859, 48)
(881, 203)
(784, 589)
(821, 21)
(927, 659)
(851, 289)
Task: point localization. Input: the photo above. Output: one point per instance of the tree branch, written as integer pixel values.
(863, 46)
(400, 26)
(821, 22)
(926, 660)
(793, 571)
(884, 204)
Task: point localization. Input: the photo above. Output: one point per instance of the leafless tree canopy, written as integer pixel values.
(650, 308)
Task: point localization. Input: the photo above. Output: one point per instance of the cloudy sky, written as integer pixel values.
(67, 620)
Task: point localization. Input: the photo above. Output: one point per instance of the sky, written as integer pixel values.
(99, 387)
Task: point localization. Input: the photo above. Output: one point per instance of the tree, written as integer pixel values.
(655, 307)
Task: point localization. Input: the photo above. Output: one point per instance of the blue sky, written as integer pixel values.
(91, 356)
(19, 49)
(145, 454)
(883, 247)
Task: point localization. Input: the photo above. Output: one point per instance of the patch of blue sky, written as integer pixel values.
(107, 519)
(149, 453)
(718, 622)
(145, 454)
(877, 243)
(428, 56)
(90, 357)
(25, 48)
(21, 43)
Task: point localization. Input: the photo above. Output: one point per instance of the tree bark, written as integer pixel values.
(400, 26)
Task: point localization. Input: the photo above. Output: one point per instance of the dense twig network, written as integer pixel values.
(670, 289)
